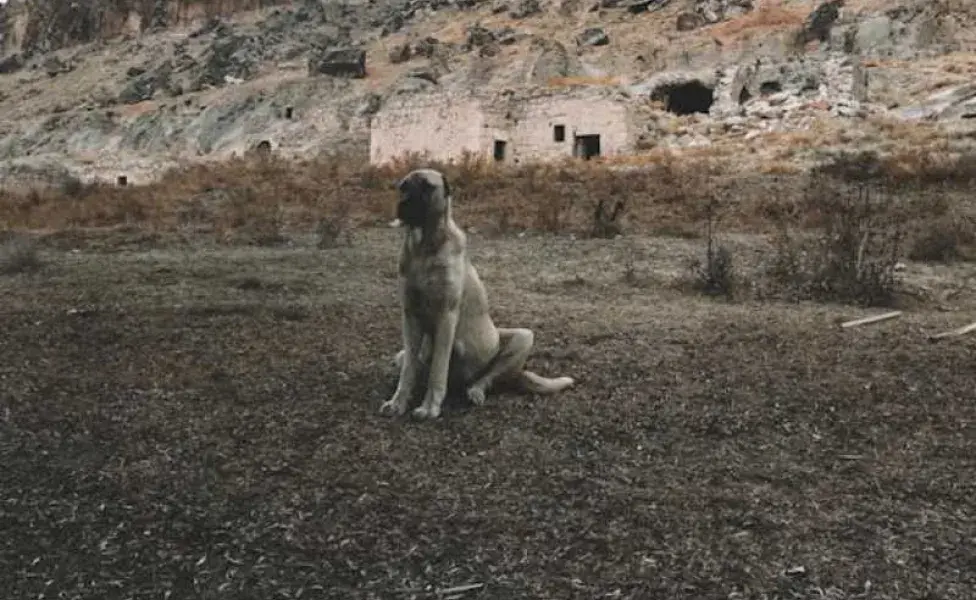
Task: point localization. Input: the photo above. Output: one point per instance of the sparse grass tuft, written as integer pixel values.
(18, 254)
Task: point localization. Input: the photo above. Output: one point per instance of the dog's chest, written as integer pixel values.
(430, 287)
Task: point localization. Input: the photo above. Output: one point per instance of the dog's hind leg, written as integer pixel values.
(513, 350)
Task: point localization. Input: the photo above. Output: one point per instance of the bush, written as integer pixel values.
(715, 276)
(852, 251)
(18, 254)
(943, 241)
(335, 227)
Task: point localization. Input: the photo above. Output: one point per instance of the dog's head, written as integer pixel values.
(425, 197)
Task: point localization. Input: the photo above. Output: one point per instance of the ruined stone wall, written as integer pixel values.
(445, 127)
(442, 126)
(532, 138)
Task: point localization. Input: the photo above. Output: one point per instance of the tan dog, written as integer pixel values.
(446, 325)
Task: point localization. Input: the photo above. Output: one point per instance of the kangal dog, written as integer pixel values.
(447, 329)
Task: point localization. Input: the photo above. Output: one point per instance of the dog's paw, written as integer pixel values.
(476, 396)
(425, 411)
(393, 407)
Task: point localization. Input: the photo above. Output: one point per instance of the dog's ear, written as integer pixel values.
(447, 187)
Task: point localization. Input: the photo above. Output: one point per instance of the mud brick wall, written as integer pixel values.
(441, 126)
(447, 126)
(533, 139)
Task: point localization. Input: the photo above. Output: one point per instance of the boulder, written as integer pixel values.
(592, 36)
(427, 47)
(54, 66)
(639, 6)
(11, 64)
(400, 53)
(507, 36)
(688, 21)
(819, 22)
(339, 62)
(524, 8)
(478, 35)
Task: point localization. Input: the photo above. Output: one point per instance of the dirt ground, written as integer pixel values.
(202, 422)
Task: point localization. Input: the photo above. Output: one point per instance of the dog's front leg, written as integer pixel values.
(409, 365)
(439, 364)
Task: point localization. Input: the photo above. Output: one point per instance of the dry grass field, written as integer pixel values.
(187, 411)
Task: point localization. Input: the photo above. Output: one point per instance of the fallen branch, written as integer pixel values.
(869, 320)
(954, 332)
(459, 589)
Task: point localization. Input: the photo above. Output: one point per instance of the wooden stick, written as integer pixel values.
(874, 319)
(460, 588)
(954, 332)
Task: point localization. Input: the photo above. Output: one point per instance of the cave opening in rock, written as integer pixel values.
(770, 87)
(685, 98)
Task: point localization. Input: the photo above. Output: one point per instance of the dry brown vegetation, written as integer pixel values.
(667, 191)
(582, 80)
(923, 205)
(770, 17)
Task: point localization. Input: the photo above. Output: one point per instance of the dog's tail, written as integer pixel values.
(537, 384)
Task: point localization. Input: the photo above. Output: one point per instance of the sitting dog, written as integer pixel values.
(445, 321)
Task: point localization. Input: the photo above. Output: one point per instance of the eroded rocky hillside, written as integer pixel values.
(105, 88)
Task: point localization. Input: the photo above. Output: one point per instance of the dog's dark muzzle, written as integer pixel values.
(411, 212)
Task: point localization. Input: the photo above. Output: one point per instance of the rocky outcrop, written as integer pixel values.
(229, 55)
(958, 102)
(551, 61)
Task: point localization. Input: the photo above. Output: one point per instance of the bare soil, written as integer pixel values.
(202, 422)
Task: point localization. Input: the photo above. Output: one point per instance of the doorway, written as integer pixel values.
(587, 146)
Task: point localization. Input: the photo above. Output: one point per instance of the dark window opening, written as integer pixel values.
(289, 112)
(685, 98)
(122, 181)
(587, 146)
(770, 87)
(559, 133)
(500, 149)
(744, 96)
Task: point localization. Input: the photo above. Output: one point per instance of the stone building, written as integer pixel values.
(531, 126)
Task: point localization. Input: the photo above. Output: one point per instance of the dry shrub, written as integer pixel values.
(945, 239)
(605, 224)
(769, 17)
(851, 251)
(18, 254)
(335, 227)
(715, 275)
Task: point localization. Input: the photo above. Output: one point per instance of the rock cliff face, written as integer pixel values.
(37, 26)
(132, 86)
